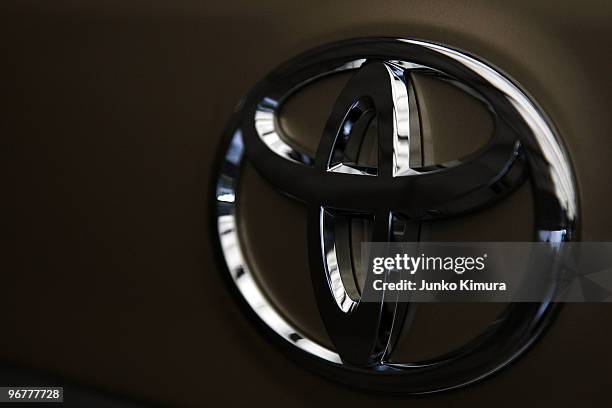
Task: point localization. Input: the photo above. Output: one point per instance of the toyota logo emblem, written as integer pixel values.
(394, 196)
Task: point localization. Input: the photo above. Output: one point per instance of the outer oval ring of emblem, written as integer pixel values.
(524, 144)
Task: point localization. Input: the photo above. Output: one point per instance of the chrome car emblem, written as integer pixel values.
(395, 195)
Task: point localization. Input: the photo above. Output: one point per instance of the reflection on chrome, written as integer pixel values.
(351, 134)
(265, 126)
(401, 125)
(238, 268)
(266, 118)
(563, 181)
(332, 267)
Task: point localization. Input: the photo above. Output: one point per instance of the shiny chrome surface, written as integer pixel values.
(235, 261)
(398, 191)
